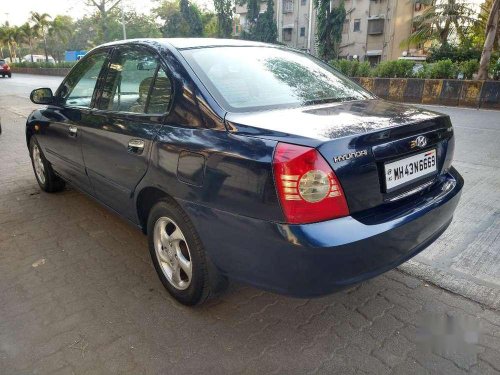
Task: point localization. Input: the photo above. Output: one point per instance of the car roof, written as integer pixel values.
(187, 43)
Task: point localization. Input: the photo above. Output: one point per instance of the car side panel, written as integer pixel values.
(59, 146)
(113, 168)
(237, 175)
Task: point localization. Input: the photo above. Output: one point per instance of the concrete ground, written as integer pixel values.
(79, 294)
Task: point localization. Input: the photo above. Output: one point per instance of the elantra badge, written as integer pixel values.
(419, 142)
(350, 155)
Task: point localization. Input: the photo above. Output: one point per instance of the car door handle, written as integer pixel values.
(73, 130)
(136, 146)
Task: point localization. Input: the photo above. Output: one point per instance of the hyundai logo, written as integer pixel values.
(419, 142)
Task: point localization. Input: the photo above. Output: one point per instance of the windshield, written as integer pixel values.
(2, 62)
(251, 78)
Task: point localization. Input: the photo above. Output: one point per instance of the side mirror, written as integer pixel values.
(42, 96)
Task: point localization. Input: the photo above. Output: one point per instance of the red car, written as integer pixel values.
(5, 69)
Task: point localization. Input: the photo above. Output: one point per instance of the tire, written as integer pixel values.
(180, 243)
(45, 176)
(10, 75)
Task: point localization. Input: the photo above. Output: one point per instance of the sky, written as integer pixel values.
(18, 11)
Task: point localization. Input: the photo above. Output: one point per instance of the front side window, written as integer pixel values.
(131, 80)
(249, 78)
(78, 88)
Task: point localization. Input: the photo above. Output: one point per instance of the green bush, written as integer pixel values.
(394, 69)
(352, 68)
(364, 69)
(443, 69)
(468, 68)
(29, 64)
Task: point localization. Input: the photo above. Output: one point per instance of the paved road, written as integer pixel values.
(466, 259)
(79, 294)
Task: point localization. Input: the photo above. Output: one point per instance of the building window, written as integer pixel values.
(287, 35)
(345, 28)
(302, 31)
(357, 25)
(373, 60)
(303, 2)
(287, 6)
(376, 26)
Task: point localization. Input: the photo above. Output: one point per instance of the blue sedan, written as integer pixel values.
(247, 161)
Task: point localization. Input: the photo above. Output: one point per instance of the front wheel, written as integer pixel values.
(179, 256)
(45, 176)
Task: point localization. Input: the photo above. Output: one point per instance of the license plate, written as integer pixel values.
(405, 170)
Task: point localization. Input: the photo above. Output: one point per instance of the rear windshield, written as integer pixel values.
(2, 62)
(252, 78)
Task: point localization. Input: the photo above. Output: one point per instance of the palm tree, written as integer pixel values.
(440, 20)
(16, 38)
(30, 33)
(59, 32)
(9, 37)
(42, 21)
(3, 39)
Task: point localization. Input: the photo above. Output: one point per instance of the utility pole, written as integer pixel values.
(123, 21)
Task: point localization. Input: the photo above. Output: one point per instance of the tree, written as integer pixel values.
(5, 38)
(265, 28)
(330, 21)
(192, 15)
(210, 24)
(104, 7)
(30, 33)
(440, 20)
(42, 22)
(59, 33)
(181, 18)
(224, 11)
(491, 31)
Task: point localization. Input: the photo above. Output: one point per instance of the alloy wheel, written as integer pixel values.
(172, 252)
(38, 164)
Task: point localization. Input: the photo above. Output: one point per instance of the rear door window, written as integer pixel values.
(161, 94)
(131, 80)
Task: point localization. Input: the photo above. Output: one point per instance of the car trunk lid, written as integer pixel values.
(357, 138)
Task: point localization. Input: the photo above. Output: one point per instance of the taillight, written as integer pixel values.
(307, 186)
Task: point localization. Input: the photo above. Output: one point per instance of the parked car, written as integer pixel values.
(5, 69)
(247, 161)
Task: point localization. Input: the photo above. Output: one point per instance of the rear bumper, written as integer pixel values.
(320, 258)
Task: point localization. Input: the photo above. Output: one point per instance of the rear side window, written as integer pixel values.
(133, 86)
(161, 94)
(78, 88)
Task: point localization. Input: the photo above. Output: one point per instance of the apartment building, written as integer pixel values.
(295, 26)
(373, 29)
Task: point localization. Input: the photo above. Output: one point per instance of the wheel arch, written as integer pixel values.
(146, 199)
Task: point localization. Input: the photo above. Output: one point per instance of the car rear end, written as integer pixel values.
(353, 206)
(5, 69)
(363, 184)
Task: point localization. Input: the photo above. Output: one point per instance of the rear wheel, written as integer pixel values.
(179, 256)
(45, 176)
(10, 75)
